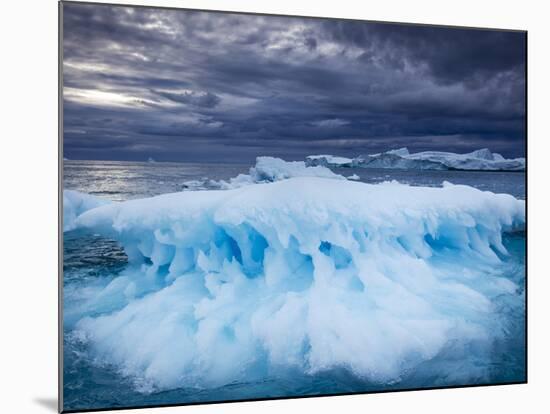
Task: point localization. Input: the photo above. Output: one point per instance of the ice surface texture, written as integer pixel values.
(482, 159)
(307, 273)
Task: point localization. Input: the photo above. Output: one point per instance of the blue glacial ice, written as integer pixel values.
(224, 286)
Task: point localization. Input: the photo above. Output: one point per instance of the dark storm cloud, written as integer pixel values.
(451, 55)
(204, 100)
(181, 85)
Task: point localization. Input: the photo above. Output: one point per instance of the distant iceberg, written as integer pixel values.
(305, 273)
(480, 160)
(328, 161)
(271, 169)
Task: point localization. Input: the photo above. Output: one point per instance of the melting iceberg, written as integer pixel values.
(482, 159)
(227, 286)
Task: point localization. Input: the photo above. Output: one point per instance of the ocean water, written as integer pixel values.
(119, 180)
(92, 261)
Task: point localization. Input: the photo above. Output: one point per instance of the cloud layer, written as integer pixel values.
(207, 86)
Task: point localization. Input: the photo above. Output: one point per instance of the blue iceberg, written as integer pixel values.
(232, 285)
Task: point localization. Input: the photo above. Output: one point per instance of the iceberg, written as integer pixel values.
(270, 169)
(482, 159)
(75, 203)
(231, 285)
(328, 161)
(479, 160)
(396, 159)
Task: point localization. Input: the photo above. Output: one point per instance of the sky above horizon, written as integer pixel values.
(179, 85)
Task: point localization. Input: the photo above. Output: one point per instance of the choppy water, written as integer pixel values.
(91, 262)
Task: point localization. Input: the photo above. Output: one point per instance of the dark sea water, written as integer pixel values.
(91, 262)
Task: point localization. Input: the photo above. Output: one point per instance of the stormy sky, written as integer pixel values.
(181, 85)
